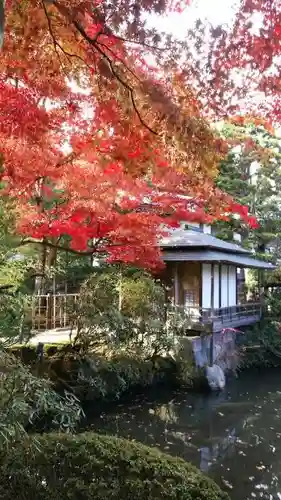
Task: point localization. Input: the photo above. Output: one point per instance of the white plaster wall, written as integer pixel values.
(237, 237)
(216, 286)
(206, 285)
(228, 286)
(207, 229)
(224, 286)
(232, 286)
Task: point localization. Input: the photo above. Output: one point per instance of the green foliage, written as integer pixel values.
(123, 341)
(107, 380)
(27, 354)
(141, 297)
(273, 305)
(15, 272)
(116, 312)
(96, 467)
(262, 346)
(15, 320)
(25, 398)
(14, 267)
(72, 269)
(97, 378)
(259, 190)
(274, 277)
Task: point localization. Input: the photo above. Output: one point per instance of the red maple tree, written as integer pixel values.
(238, 70)
(99, 145)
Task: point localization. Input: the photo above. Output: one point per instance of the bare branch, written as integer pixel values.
(52, 34)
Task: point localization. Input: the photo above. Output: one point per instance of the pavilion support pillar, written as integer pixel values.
(212, 313)
(261, 288)
(228, 285)
(176, 285)
(220, 285)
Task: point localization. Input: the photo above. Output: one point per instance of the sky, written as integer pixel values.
(216, 12)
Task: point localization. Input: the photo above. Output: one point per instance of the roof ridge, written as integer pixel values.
(182, 238)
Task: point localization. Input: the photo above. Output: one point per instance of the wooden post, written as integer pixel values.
(261, 288)
(212, 314)
(120, 296)
(227, 284)
(176, 285)
(212, 287)
(219, 285)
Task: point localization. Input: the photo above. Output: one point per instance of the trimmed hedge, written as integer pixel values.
(96, 467)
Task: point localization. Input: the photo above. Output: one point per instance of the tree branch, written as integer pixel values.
(120, 59)
(2, 22)
(94, 43)
(56, 246)
(138, 42)
(57, 44)
(115, 73)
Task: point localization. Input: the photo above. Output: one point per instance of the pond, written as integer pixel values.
(233, 436)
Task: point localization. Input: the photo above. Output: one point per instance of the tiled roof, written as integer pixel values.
(186, 238)
(206, 255)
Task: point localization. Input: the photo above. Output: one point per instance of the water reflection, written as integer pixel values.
(234, 436)
(209, 455)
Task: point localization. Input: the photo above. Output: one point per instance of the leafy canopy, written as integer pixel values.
(236, 67)
(101, 133)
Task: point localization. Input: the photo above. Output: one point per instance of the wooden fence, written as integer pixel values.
(53, 311)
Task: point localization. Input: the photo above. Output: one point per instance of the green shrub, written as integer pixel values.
(96, 467)
(97, 378)
(26, 399)
(94, 377)
(27, 354)
(15, 324)
(262, 346)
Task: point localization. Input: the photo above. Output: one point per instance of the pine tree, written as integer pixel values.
(251, 173)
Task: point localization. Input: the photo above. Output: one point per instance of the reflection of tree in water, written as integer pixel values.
(184, 426)
(217, 451)
(235, 438)
(254, 468)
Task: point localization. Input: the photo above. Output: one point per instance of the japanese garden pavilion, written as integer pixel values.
(202, 274)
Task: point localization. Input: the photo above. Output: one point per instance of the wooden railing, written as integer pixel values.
(238, 311)
(208, 316)
(55, 311)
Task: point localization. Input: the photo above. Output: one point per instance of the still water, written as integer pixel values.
(234, 436)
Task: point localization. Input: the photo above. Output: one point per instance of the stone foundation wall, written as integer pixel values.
(224, 350)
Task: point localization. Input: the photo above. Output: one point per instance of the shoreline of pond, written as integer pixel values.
(150, 393)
